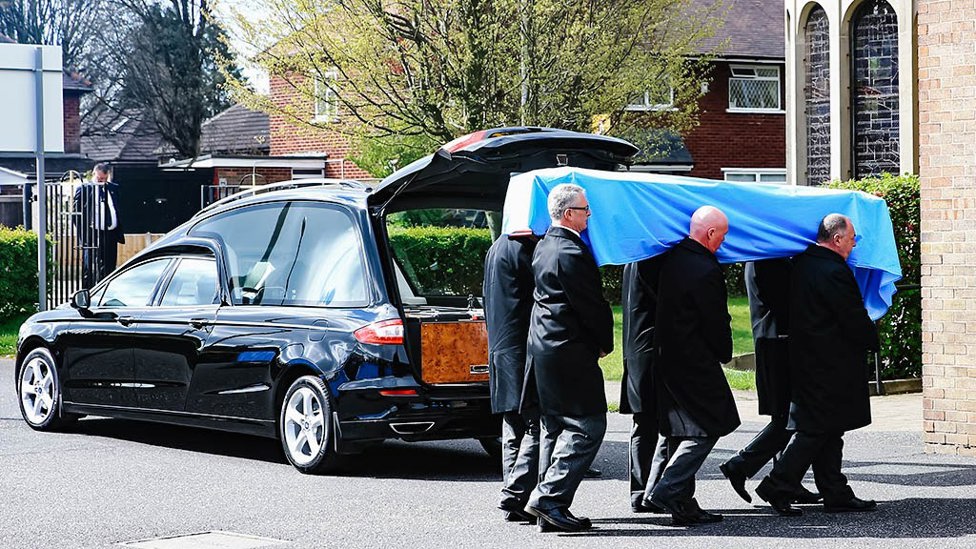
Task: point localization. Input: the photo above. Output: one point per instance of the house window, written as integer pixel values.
(754, 88)
(326, 101)
(755, 175)
(658, 100)
(303, 173)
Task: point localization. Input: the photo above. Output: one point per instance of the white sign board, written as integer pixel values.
(18, 99)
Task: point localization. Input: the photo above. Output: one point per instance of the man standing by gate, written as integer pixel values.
(97, 225)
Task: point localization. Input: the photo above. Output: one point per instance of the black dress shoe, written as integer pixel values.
(519, 516)
(584, 521)
(779, 504)
(737, 480)
(806, 497)
(853, 505)
(554, 520)
(647, 507)
(592, 473)
(688, 513)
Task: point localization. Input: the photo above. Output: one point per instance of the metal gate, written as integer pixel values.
(65, 235)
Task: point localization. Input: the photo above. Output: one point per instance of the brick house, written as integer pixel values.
(314, 138)
(741, 135)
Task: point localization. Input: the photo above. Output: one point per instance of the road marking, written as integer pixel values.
(205, 540)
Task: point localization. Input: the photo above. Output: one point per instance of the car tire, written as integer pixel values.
(305, 426)
(39, 392)
(492, 446)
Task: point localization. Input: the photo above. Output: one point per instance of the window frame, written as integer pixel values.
(647, 106)
(779, 109)
(325, 102)
(757, 172)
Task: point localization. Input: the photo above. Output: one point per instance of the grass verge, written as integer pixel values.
(8, 333)
(613, 364)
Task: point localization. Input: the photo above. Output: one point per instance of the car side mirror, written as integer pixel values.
(81, 300)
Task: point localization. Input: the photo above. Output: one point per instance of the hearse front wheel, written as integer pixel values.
(39, 392)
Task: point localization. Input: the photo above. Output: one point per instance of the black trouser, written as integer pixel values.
(643, 458)
(824, 451)
(762, 448)
(98, 258)
(520, 458)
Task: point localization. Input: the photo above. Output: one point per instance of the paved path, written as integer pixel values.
(888, 413)
(113, 481)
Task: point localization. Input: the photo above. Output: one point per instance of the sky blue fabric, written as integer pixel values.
(636, 216)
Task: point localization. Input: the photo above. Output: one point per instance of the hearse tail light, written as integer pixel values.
(385, 332)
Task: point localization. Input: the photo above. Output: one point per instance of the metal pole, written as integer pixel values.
(41, 191)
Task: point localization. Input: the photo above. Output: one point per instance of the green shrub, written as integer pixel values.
(451, 260)
(18, 271)
(442, 260)
(901, 328)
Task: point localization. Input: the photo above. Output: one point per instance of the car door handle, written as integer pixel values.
(198, 322)
(125, 320)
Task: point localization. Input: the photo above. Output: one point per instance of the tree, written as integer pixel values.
(71, 24)
(172, 64)
(442, 68)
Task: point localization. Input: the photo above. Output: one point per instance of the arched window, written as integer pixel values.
(817, 96)
(874, 94)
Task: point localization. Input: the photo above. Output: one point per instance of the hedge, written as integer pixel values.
(901, 328)
(18, 274)
(451, 260)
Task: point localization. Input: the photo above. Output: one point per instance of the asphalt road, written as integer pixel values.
(113, 481)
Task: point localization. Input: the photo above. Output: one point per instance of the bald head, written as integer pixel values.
(709, 227)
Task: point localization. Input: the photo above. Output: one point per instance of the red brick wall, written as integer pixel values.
(288, 138)
(234, 175)
(734, 140)
(72, 123)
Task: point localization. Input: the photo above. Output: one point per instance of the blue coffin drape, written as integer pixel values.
(636, 216)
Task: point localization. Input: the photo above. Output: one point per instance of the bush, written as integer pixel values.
(451, 260)
(442, 260)
(901, 328)
(18, 274)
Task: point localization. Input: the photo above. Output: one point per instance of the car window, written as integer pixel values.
(194, 282)
(133, 287)
(294, 253)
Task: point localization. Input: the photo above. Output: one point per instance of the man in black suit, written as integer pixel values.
(694, 338)
(639, 305)
(508, 303)
(571, 327)
(830, 336)
(768, 287)
(98, 225)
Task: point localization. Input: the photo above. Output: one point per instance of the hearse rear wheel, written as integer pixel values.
(305, 426)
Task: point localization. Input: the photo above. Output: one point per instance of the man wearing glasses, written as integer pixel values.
(830, 335)
(570, 328)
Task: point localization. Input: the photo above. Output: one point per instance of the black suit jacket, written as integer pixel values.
(508, 303)
(570, 324)
(639, 305)
(694, 337)
(768, 287)
(831, 334)
(84, 202)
